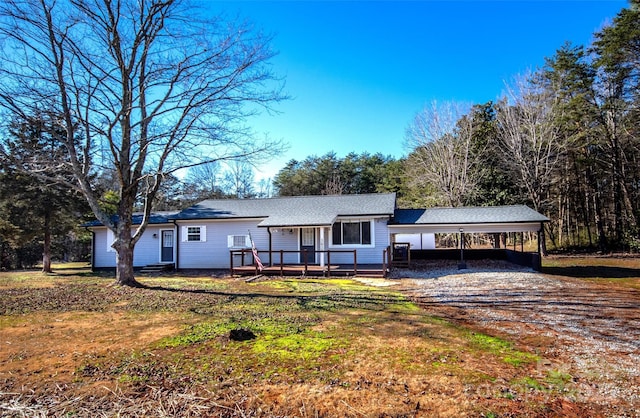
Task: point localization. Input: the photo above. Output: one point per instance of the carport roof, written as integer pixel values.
(489, 219)
(467, 215)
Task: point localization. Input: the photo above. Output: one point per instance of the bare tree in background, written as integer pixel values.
(531, 144)
(238, 180)
(440, 140)
(148, 87)
(529, 138)
(333, 186)
(205, 180)
(265, 188)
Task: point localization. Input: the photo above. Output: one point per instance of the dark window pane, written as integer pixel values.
(337, 233)
(351, 233)
(193, 233)
(366, 233)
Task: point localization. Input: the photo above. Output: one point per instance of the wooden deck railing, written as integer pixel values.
(276, 259)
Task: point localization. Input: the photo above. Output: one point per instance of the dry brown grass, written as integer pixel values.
(72, 345)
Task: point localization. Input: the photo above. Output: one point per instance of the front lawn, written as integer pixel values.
(75, 345)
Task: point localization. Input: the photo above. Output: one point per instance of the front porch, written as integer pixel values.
(314, 270)
(243, 262)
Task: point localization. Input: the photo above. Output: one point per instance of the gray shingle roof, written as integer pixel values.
(293, 211)
(467, 215)
(155, 218)
(323, 210)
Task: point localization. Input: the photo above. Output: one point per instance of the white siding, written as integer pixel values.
(418, 241)
(147, 250)
(103, 257)
(287, 239)
(214, 253)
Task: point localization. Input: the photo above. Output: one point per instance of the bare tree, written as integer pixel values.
(150, 87)
(529, 138)
(206, 179)
(238, 180)
(440, 140)
(333, 186)
(532, 146)
(265, 188)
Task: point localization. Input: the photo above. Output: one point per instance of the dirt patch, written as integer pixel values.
(73, 338)
(588, 332)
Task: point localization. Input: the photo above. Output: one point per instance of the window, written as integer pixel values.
(238, 241)
(194, 233)
(352, 233)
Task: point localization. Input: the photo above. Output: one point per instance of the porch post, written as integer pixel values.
(270, 247)
(322, 247)
(462, 265)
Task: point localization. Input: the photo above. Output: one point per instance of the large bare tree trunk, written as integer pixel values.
(124, 267)
(125, 244)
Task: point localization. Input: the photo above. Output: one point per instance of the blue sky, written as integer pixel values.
(359, 71)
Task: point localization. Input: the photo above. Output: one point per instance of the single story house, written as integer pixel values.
(316, 232)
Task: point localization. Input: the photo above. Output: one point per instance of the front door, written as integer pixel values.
(308, 243)
(166, 250)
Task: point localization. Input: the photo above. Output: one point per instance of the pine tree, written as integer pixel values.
(42, 208)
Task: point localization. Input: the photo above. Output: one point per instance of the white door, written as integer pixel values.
(166, 255)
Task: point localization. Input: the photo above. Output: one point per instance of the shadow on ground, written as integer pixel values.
(593, 271)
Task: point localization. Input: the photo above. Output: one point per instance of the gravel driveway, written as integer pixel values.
(590, 331)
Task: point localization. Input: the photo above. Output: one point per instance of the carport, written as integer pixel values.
(470, 220)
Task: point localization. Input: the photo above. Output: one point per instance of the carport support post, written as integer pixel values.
(462, 265)
(538, 267)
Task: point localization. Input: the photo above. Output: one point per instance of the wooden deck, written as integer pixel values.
(276, 267)
(313, 270)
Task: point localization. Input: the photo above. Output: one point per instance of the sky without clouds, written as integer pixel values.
(359, 71)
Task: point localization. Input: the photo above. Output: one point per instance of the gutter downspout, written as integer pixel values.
(177, 241)
(93, 248)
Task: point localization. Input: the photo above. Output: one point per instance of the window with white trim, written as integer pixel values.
(194, 233)
(351, 233)
(238, 241)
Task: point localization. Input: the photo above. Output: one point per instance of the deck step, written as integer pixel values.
(157, 268)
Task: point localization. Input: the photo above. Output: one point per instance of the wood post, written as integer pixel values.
(355, 262)
(281, 263)
(306, 260)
